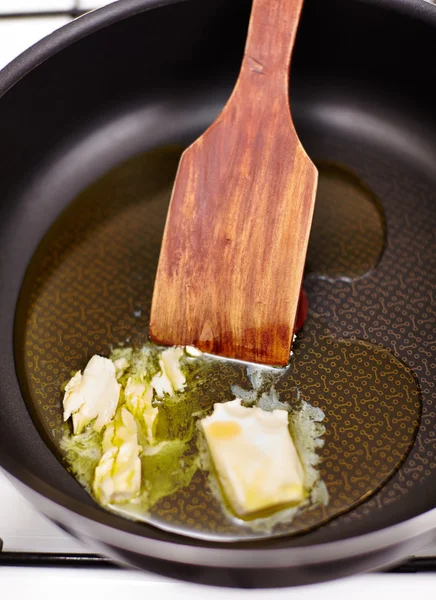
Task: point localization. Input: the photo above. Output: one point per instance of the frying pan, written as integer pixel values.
(140, 74)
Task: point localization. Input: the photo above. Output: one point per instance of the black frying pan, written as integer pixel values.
(145, 74)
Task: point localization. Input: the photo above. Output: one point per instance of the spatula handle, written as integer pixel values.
(271, 37)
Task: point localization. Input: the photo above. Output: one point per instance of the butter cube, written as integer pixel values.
(255, 458)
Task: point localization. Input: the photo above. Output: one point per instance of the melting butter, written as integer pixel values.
(254, 456)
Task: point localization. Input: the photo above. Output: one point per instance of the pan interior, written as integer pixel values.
(88, 289)
(348, 230)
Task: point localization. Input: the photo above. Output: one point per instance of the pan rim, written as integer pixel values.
(58, 506)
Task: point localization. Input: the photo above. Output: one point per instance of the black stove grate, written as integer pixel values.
(417, 565)
(73, 12)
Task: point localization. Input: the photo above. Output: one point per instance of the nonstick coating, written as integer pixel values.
(361, 94)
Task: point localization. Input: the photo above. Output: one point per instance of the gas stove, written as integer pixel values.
(35, 554)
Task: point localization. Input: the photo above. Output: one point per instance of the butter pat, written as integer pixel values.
(139, 395)
(192, 351)
(121, 364)
(170, 379)
(255, 458)
(93, 396)
(117, 477)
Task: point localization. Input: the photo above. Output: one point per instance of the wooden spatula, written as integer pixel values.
(237, 230)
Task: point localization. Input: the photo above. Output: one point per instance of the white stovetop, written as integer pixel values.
(65, 584)
(23, 529)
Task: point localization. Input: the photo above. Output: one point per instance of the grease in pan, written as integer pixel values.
(129, 458)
